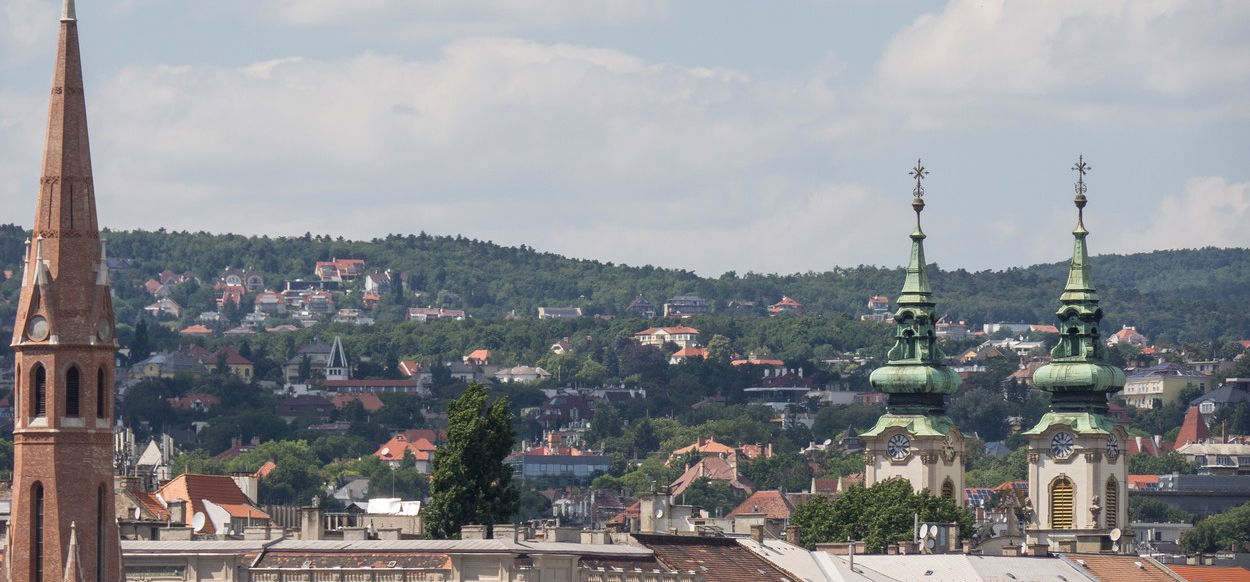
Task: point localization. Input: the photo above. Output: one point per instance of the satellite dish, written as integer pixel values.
(386, 451)
(197, 521)
(929, 543)
(924, 530)
(1116, 534)
(659, 513)
(828, 442)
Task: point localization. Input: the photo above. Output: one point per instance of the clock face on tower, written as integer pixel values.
(1113, 448)
(1061, 445)
(898, 446)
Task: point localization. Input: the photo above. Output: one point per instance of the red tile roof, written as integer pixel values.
(219, 489)
(399, 444)
(150, 503)
(690, 352)
(369, 400)
(1211, 573)
(1127, 568)
(196, 329)
(1142, 482)
(714, 468)
(772, 504)
(265, 469)
(758, 362)
(1193, 430)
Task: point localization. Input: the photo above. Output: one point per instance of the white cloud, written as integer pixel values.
(1210, 211)
(569, 148)
(1082, 61)
(19, 40)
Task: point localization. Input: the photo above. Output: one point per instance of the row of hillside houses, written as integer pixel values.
(684, 306)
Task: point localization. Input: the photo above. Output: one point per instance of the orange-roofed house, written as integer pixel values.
(683, 336)
(686, 353)
(1122, 568)
(370, 401)
(409, 368)
(1128, 335)
(714, 468)
(225, 507)
(1143, 482)
(478, 358)
(238, 365)
(786, 305)
(754, 360)
(339, 269)
(768, 508)
(265, 470)
(1193, 429)
(392, 453)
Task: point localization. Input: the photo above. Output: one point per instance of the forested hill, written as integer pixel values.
(1187, 295)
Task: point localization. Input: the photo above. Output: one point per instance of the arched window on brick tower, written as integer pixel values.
(36, 522)
(1061, 503)
(1111, 505)
(100, 402)
(73, 394)
(39, 391)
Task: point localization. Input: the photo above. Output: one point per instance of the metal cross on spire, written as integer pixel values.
(1081, 168)
(919, 173)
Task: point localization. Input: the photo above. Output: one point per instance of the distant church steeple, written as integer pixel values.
(63, 524)
(915, 439)
(337, 367)
(1077, 472)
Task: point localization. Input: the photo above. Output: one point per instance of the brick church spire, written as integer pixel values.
(63, 520)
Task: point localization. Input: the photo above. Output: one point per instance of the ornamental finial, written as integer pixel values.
(1081, 169)
(919, 173)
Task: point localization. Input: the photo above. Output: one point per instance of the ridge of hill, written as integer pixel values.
(1175, 295)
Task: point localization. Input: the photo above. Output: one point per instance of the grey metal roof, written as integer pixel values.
(191, 546)
(461, 546)
(970, 568)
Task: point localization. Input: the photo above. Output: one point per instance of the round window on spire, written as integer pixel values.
(104, 330)
(37, 328)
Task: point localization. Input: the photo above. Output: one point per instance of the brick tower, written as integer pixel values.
(62, 521)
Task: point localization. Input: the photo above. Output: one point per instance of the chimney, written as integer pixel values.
(792, 534)
(248, 483)
(177, 511)
(757, 533)
(310, 523)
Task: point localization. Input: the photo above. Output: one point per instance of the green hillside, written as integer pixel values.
(1187, 295)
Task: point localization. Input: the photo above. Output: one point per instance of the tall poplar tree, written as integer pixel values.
(471, 484)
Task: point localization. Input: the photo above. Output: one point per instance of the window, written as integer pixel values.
(39, 391)
(1206, 407)
(36, 522)
(72, 396)
(948, 489)
(1112, 503)
(1061, 504)
(99, 393)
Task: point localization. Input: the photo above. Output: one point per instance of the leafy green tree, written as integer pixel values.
(402, 480)
(1171, 462)
(718, 497)
(1147, 509)
(719, 349)
(471, 483)
(1223, 531)
(784, 471)
(877, 515)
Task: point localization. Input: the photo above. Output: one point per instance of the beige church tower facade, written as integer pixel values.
(915, 440)
(1077, 468)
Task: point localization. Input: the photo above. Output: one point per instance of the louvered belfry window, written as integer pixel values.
(1113, 503)
(1061, 504)
(948, 489)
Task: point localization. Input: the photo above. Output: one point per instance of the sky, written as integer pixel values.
(712, 135)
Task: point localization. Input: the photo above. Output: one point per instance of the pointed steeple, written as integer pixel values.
(73, 571)
(336, 366)
(66, 288)
(915, 377)
(1078, 377)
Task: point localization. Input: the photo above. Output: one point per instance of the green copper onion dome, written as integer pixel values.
(915, 377)
(1078, 376)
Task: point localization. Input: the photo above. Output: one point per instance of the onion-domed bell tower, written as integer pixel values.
(1077, 470)
(914, 439)
(62, 526)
